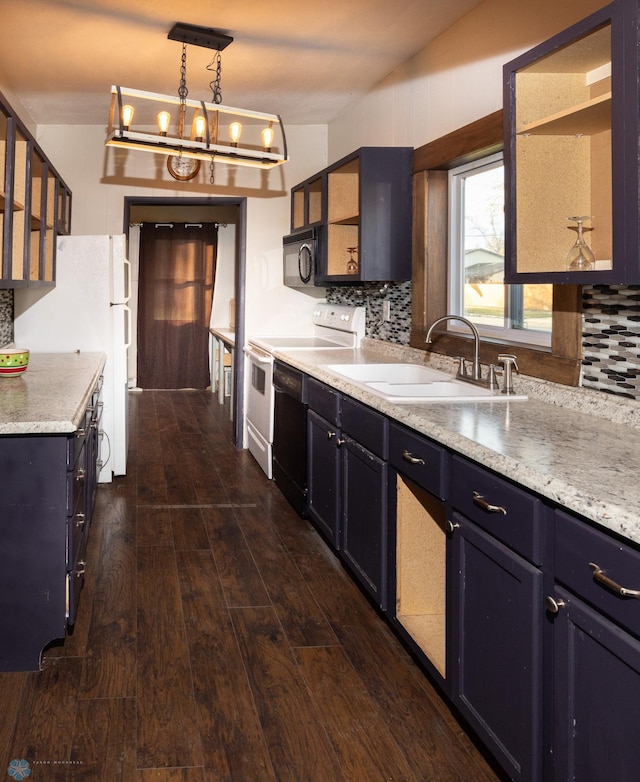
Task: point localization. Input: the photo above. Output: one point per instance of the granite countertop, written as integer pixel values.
(557, 443)
(51, 396)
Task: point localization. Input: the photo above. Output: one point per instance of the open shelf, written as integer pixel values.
(421, 548)
(592, 116)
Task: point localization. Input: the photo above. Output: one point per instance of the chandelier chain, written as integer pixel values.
(182, 90)
(215, 66)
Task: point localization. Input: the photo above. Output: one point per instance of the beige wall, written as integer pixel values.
(456, 79)
(100, 177)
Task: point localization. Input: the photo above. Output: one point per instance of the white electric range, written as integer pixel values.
(335, 326)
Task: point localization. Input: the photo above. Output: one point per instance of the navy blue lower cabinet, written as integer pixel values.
(597, 695)
(364, 518)
(33, 526)
(48, 491)
(497, 611)
(347, 445)
(323, 477)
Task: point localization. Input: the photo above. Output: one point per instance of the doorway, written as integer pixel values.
(230, 216)
(177, 265)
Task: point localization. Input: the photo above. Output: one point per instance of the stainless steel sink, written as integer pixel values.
(404, 383)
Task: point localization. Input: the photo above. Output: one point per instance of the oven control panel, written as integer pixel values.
(340, 317)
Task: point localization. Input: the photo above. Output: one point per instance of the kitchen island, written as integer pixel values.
(49, 453)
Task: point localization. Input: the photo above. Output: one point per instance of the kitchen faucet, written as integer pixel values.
(476, 337)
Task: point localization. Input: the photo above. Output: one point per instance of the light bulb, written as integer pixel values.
(235, 129)
(127, 116)
(164, 120)
(267, 138)
(200, 124)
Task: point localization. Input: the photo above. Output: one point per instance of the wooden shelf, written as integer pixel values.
(592, 116)
(346, 220)
(17, 207)
(37, 223)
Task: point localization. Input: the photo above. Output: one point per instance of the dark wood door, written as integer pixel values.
(496, 660)
(597, 692)
(324, 476)
(364, 518)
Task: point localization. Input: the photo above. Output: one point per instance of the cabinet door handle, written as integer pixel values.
(480, 501)
(451, 526)
(340, 441)
(409, 457)
(330, 435)
(609, 583)
(554, 606)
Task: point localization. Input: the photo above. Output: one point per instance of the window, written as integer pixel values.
(561, 362)
(516, 313)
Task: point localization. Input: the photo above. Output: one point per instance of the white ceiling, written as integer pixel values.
(305, 60)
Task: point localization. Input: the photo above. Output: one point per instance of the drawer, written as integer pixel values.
(578, 546)
(324, 400)
(76, 479)
(504, 510)
(421, 460)
(76, 441)
(365, 426)
(76, 524)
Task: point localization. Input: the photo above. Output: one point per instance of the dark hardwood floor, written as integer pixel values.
(218, 639)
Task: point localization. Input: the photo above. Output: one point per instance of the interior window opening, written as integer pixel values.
(513, 313)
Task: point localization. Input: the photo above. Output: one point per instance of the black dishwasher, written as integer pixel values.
(290, 435)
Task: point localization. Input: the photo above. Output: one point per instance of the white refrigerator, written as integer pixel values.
(87, 311)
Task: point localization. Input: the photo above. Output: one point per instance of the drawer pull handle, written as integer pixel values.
(80, 519)
(603, 579)
(554, 606)
(451, 526)
(409, 457)
(480, 501)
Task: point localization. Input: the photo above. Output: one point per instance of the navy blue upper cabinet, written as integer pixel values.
(571, 151)
(361, 207)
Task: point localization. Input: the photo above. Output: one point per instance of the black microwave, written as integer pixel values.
(299, 251)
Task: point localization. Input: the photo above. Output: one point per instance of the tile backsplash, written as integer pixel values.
(611, 339)
(6, 316)
(372, 296)
(611, 329)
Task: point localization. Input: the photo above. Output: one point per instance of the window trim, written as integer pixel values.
(431, 162)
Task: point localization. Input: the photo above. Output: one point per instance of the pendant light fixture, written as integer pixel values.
(188, 131)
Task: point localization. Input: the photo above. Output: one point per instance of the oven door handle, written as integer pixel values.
(259, 358)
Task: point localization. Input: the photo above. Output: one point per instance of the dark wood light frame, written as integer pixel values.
(431, 162)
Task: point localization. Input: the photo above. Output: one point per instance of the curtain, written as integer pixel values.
(175, 294)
